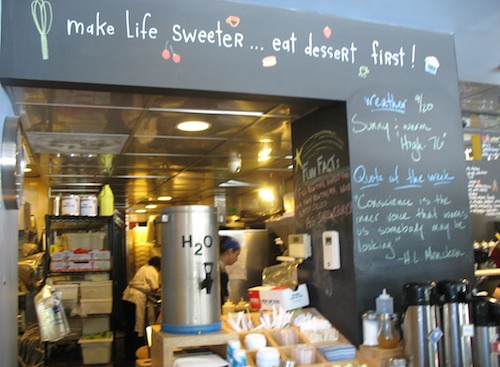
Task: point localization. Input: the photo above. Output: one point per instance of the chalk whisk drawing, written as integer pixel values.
(41, 11)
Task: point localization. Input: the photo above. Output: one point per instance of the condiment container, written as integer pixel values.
(255, 341)
(232, 346)
(370, 328)
(268, 357)
(388, 333)
(384, 303)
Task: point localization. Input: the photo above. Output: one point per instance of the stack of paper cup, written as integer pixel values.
(268, 357)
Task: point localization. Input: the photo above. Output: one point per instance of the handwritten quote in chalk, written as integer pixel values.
(404, 205)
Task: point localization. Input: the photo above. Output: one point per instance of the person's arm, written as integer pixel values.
(153, 280)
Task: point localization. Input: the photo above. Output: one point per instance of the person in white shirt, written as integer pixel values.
(146, 281)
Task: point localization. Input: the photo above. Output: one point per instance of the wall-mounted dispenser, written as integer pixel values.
(299, 245)
(331, 250)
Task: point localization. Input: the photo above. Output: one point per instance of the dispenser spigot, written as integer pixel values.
(208, 281)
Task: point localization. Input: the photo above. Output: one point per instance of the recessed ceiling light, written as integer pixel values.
(193, 126)
(151, 206)
(140, 211)
(266, 194)
(164, 198)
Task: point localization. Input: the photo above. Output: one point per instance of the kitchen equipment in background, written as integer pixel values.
(455, 348)
(55, 205)
(190, 259)
(486, 317)
(299, 245)
(88, 205)
(257, 252)
(70, 205)
(420, 325)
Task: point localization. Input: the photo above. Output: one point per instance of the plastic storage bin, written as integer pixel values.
(96, 289)
(96, 351)
(84, 240)
(69, 292)
(96, 306)
(96, 324)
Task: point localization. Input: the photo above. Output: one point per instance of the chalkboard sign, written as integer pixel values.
(484, 181)
(323, 203)
(411, 216)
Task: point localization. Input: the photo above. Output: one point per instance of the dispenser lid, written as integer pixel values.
(481, 311)
(419, 294)
(453, 291)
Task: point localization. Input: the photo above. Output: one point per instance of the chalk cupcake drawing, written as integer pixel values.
(431, 65)
(41, 11)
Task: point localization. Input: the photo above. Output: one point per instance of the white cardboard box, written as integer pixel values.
(283, 297)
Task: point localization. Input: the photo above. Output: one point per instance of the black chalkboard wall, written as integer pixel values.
(401, 126)
(322, 203)
(410, 213)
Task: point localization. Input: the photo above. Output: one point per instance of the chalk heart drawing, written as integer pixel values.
(327, 31)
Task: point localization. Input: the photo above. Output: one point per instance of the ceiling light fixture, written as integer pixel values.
(151, 206)
(140, 211)
(264, 154)
(164, 198)
(193, 126)
(266, 194)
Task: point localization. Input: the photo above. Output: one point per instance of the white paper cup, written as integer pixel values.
(268, 357)
(255, 341)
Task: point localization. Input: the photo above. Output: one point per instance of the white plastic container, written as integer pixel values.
(84, 240)
(268, 357)
(88, 205)
(96, 324)
(69, 292)
(384, 303)
(96, 351)
(96, 306)
(96, 289)
(70, 205)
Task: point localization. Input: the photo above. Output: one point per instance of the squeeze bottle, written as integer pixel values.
(106, 201)
(384, 303)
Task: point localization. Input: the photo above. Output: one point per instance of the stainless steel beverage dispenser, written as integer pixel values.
(190, 262)
(485, 314)
(420, 333)
(455, 348)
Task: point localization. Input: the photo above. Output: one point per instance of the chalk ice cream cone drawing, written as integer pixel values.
(431, 65)
(41, 11)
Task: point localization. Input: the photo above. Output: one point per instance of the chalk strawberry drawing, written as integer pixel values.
(41, 11)
(327, 31)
